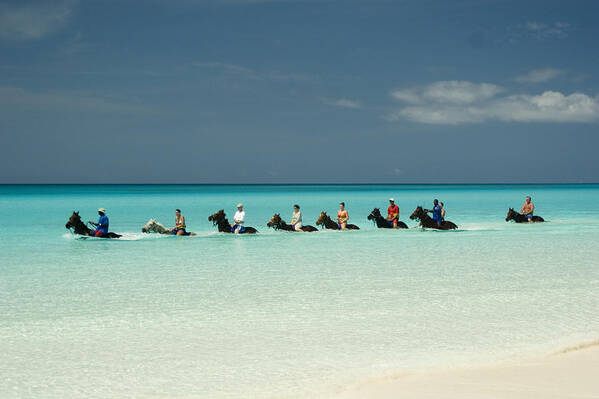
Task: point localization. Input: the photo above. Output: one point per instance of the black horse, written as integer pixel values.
(80, 228)
(279, 224)
(383, 223)
(325, 221)
(428, 222)
(220, 219)
(520, 218)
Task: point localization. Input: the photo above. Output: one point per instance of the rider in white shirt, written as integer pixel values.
(239, 218)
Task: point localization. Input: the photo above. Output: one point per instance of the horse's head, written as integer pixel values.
(417, 214)
(321, 218)
(511, 214)
(275, 221)
(152, 227)
(74, 220)
(148, 226)
(217, 217)
(375, 214)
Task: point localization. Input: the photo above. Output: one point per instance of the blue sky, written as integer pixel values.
(299, 91)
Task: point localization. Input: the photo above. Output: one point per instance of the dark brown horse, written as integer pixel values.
(220, 219)
(383, 223)
(428, 222)
(80, 228)
(279, 224)
(520, 218)
(325, 221)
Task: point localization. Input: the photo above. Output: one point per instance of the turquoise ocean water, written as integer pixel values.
(284, 315)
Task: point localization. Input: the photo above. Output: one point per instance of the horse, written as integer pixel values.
(279, 224)
(154, 226)
(428, 222)
(383, 223)
(520, 218)
(220, 219)
(325, 221)
(80, 228)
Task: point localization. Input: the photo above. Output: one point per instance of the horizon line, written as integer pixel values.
(299, 184)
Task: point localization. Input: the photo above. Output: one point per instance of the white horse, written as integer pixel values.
(154, 226)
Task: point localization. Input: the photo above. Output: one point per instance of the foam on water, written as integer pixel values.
(282, 314)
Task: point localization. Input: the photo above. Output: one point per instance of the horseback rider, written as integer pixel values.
(179, 229)
(442, 211)
(239, 219)
(102, 225)
(342, 216)
(528, 209)
(296, 218)
(436, 211)
(393, 213)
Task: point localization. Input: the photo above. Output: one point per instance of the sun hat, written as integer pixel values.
(392, 199)
(239, 205)
(102, 210)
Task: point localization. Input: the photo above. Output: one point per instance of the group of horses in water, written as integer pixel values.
(219, 219)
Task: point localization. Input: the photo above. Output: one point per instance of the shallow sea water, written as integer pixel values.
(284, 315)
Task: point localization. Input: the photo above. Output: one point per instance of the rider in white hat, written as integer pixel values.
(239, 219)
(102, 225)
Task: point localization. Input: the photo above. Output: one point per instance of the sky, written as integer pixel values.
(299, 91)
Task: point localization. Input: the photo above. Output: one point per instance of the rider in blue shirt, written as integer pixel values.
(436, 211)
(102, 225)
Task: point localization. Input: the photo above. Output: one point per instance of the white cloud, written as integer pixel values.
(541, 30)
(535, 30)
(227, 67)
(476, 103)
(407, 96)
(23, 99)
(251, 74)
(460, 92)
(33, 21)
(539, 75)
(449, 92)
(551, 106)
(344, 103)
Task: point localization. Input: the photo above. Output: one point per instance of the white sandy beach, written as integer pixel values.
(572, 373)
